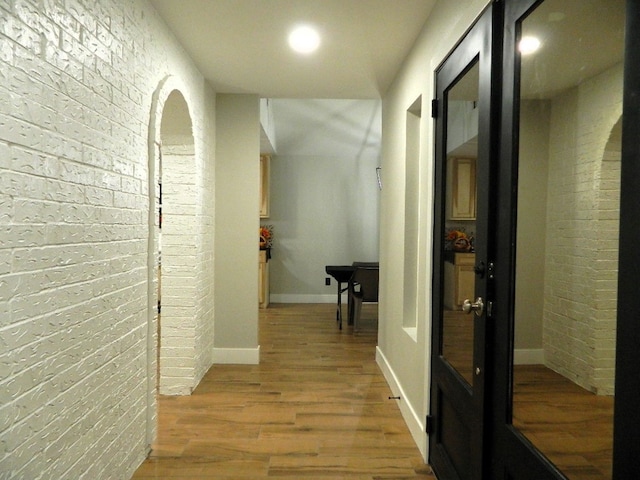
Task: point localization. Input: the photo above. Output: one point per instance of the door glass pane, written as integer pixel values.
(460, 205)
(567, 235)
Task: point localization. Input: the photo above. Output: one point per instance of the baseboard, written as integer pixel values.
(305, 298)
(528, 356)
(411, 418)
(239, 356)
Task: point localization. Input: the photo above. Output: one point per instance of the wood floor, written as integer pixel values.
(571, 426)
(317, 407)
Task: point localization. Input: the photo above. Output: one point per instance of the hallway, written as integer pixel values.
(317, 407)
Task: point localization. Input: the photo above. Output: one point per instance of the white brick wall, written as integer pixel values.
(582, 232)
(77, 83)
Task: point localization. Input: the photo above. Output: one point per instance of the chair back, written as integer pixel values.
(367, 278)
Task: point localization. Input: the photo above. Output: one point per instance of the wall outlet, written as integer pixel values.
(327, 281)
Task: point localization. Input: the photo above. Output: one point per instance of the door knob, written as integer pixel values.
(477, 306)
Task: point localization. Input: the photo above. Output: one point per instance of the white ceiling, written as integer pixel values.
(328, 128)
(241, 45)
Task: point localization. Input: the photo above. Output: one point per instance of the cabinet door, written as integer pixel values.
(263, 280)
(463, 190)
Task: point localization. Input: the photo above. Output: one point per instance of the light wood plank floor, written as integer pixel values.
(317, 407)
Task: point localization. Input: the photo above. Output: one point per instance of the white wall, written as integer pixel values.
(77, 89)
(402, 353)
(531, 232)
(324, 193)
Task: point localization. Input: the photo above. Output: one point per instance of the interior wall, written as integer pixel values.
(324, 196)
(325, 212)
(237, 201)
(74, 241)
(531, 234)
(580, 270)
(403, 357)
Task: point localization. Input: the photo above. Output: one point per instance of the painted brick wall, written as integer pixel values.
(77, 80)
(581, 262)
(205, 207)
(179, 270)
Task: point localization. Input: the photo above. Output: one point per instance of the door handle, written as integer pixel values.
(477, 306)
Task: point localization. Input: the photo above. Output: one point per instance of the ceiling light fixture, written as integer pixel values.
(528, 45)
(304, 39)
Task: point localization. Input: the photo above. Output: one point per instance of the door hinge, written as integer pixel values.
(429, 424)
(434, 108)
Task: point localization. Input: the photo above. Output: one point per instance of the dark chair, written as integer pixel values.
(363, 287)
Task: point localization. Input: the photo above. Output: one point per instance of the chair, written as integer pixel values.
(363, 287)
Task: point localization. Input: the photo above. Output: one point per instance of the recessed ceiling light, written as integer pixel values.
(528, 45)
(304, 39)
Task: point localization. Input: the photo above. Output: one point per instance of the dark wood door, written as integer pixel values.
(562, 267)
(550, 142)
(464, 119)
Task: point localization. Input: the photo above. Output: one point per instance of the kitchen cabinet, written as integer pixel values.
(459, 279)
(463, 189)
(265, 161)
(263, 279)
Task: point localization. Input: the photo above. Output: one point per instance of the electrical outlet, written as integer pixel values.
(327, 281)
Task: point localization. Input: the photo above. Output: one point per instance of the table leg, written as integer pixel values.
(339, 308)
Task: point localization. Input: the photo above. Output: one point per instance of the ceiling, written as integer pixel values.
(240, 46)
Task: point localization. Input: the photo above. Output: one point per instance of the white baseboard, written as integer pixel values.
(306, 298)
(239, 356)
(411, 418)
(528, 356)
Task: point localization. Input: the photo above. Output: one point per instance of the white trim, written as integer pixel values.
(411, 418)
(239, 356)
(412, 332)
(306, 298)
(528, 356)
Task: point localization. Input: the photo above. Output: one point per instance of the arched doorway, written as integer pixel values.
(171, 248)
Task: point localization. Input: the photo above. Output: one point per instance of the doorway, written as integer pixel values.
(523, 385)
(171, 150)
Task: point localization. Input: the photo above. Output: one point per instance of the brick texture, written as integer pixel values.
(582, 232)
(77, 320)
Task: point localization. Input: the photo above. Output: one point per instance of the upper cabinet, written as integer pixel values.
(264, 185)
(462, 150)
(463, 189)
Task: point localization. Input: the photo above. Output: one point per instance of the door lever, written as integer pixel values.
(477, 306)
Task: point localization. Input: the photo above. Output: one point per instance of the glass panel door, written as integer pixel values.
(464, 96)
(460, 223)
(570, 54)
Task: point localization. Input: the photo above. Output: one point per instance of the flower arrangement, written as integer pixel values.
(266, 236)
(458, 240)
